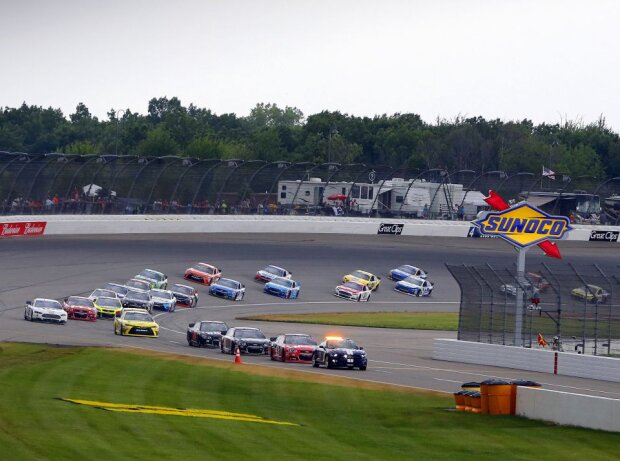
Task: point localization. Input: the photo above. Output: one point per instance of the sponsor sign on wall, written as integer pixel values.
(390, 229)
(17, 229)
(604, 236)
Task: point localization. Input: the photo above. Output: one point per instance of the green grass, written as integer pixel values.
(337, 421)
(447, 321)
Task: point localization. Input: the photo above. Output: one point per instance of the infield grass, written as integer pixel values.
(446, 321)
(337, 420)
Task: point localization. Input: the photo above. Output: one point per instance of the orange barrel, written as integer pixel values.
(475, 401)
(471, 386)
(467, 400)
(484, 396)
(513, 392)
(498, 396)
(459, 400)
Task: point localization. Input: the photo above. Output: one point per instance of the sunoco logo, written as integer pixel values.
(524, 225)
(604, 236)
(390, 229)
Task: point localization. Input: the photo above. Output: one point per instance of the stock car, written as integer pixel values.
(404, 271)
(353, 291)
(414, 286)
(227, 288)
(135, 322)
(206, 333)
(185, 295)
(268, 273)
(80, 308)
(99, 292)
(248, 340)
(163, 300)
(138, 299)
(534, 284)
(139, 285)
(45, 310)
(203, 273)
(292, 348)
(337, 352)
(593, 293)
(107, 307)
(364, 278)
(154, 278)
(283, 288)
(120, 290)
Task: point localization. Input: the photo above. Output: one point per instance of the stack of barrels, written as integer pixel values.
(493, 397)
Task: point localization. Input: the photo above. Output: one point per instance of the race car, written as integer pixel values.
(139, 300)
(337, 352)
(99, 292)
(206, 333)
(404, 271)
(120, 290)
(283, 288)
(154, 278)
(268, 273)
(135, 322)
(80, 308)
(137, 284)
(414, 286)
(45, 310)
(248, 340)
(203, 273)
(353, 291)
(163, 300)
(292, 348)
(107, 307)
(227, 288)
(533, 285)
(591, 293)
(364, 278)
(185, 295)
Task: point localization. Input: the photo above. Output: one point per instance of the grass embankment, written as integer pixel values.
(447, 321)
(335, 422)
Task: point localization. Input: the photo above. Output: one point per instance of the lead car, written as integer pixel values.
(337, 352)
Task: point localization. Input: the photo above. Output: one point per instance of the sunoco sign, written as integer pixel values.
(604, 236)
(390, 229)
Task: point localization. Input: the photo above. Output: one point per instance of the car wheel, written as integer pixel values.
(315, 362)
(417, 293)
(115, 330)
(222, 348)
(328, 364)
(283, 358)
(350, 368)
(363, 368)
(271, 356)
(25, 314)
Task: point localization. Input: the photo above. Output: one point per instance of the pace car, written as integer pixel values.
(203, 273)
(80, 308)
(135, 322)
(99, 292)
(206, 333)
(107, 307)
(185, 295)
(154, 278)
(336, 352)
(593, 293)
(227, 288)
(120, 290)
(292, 348)
(139, 300)
(404, 271)
(268, 273)
(364, 278)
(414, 286)
(353, 291)
(45, 310)
(137, 284)
(163, 300)
(248, 340)
(511, 289)
(283, 288)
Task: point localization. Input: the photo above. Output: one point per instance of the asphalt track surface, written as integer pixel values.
(58, 266)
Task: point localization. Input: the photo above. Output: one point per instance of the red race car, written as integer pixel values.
(80, 308)
(203, 273)
(292, 348)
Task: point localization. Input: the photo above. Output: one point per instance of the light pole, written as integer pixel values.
(332, 131)
(117, 124)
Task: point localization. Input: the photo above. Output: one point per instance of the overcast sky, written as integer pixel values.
(543, 60)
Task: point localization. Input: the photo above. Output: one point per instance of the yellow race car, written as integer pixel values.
(591, 293)
(364, 278)
(107, 307)
(135, 322)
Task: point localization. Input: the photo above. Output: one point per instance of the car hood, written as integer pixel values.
(49, 310)
(255, 340)
(137, 323)
(344, 288)
(345, 351)
(161, 300)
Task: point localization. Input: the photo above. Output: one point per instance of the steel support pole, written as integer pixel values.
(520, 302)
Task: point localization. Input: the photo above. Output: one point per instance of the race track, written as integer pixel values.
(56, 267)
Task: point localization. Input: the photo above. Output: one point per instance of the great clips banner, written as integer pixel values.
(20, 229)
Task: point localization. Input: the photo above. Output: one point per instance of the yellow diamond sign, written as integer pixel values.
(524, 225)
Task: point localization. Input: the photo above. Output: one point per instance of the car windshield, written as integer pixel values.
(414, 281)
(283, 282)
(407, 269)
(204, 268)
(47, 303)
(164, 294)
(360, 275)
(183, 289)
(116, 288)
(213, 326)
(101, 292)
(148, 274)
(140, 296)
(141, 285)
(249, 334)
(299, 340)
(228, 283)
(273, 270)
(138, 316)
(354, 286)
(108, 302)
(341, 344)
(79, 301)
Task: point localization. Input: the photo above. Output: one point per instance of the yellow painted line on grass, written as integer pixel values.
(196, 413)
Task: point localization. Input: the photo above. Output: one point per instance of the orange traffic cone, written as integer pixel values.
(237, 355)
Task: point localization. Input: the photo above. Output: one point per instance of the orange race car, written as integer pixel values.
(203, 273)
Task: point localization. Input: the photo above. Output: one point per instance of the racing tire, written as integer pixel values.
(25, 315)
(283, 358)
(328, 364)
(359, 298)
(271, 356)
(63, 322)
(417, 293)
(315, 363)
(350, 368)
(115, 332)
(363, 368)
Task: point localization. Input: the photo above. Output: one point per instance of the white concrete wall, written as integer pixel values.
(569, 409)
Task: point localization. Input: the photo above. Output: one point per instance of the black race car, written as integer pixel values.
(248, 340)
(138, 299)
(186, 296)
(336, 352)
(206, 333)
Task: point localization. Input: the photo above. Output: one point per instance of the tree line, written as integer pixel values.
(272, 133)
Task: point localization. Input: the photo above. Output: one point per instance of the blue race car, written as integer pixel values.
(284, 288)
(414, 286)
(227, 288)
(404, 271)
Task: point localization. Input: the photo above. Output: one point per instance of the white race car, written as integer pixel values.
(414, 286)
(353, 291)
(45, 310)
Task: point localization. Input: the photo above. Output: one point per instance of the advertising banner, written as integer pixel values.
(21, 229)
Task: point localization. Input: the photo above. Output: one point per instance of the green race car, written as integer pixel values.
(591, 293)
(155, 278)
